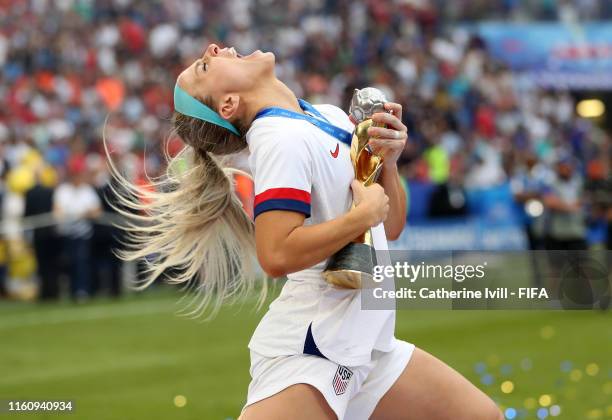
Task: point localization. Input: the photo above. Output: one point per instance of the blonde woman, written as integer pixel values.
(315, 354)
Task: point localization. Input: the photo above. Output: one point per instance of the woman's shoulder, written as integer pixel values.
(279, 139)
(270, 131)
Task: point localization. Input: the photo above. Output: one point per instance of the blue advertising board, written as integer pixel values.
(554, 54)
(465, 234)
(493, 224)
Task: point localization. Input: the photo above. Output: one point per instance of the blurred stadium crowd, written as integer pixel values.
(67, 65)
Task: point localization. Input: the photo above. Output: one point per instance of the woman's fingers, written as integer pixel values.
(393, 116)
(396, 109)
(389, 139)
(389, 119)
(387, 133)
(386, 144)
(378, 145)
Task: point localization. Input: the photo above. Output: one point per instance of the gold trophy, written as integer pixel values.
(353, 264)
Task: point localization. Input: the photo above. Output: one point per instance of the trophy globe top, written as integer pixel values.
(365, 103)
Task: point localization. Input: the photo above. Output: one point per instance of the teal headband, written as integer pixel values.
(190, 106)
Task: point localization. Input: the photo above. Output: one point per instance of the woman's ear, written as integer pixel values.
(228, 107)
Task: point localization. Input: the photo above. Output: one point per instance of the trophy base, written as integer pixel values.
(345, 279)
(351, 266)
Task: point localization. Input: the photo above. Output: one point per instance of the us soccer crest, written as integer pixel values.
(341, 380)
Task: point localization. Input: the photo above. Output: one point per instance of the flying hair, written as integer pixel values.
(190, 228)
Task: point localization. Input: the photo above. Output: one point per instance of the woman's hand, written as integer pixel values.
(388, 142)
(371, 201)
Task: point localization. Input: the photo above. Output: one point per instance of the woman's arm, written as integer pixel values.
(285, 245)
(396, 219)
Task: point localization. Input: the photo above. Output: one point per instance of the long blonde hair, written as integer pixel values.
(192, 228)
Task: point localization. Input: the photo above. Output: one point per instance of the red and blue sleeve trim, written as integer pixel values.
(290, 199)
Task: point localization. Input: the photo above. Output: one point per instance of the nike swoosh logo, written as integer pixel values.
(335, 152)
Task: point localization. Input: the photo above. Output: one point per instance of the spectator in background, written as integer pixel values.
(449, 199)
(598, 196)
(486, 166)
(39, 201)
(566, 234)
(3, 251)
(609, 212)
(566, 227)
(607, 298)
(527, 184)
(75, 204)
(435, 155)
(106, 239)
(4, 168)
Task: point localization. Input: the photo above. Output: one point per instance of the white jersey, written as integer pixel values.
(299, 167)
(74, 202)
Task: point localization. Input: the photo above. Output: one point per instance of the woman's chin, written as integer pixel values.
(259, 55)
(269, 59)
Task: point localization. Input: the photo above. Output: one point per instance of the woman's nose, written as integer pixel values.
(213, 50)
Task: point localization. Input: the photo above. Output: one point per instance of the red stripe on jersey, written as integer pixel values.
(283, 193)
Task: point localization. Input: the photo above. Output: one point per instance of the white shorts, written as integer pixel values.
(352, 393)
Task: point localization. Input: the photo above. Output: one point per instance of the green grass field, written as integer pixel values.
(129, 359)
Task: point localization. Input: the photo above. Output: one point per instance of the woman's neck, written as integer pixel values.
(275, 94)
